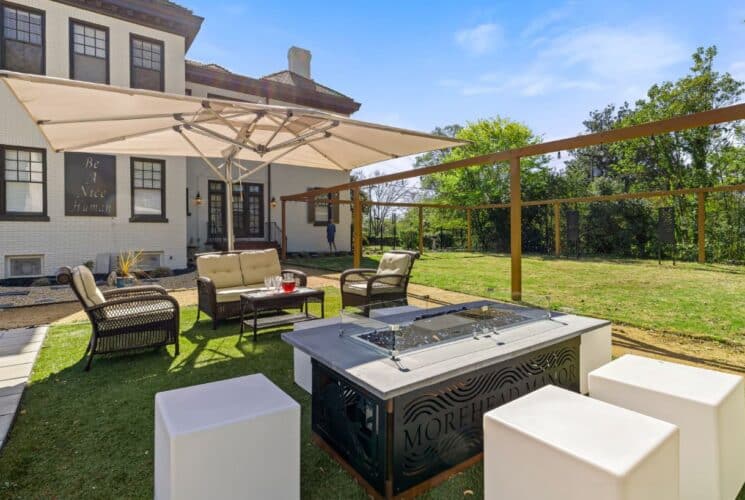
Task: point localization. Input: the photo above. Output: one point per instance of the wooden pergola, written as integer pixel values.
(513, 157)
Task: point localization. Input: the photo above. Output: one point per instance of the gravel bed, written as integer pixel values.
(17, 296)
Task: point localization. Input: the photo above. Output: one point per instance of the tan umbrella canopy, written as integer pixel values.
(95, 118)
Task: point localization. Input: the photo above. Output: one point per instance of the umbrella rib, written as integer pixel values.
(276, 130)
(267, 162)
(365, 146)
(119, 138)
(109, 119)
(201, 155)
(216, 135)
(305, 135)
(314, 148)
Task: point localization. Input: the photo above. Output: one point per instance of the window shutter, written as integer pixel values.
(311, 208)
(335, 208)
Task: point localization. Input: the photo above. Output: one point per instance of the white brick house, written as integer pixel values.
(53, 213)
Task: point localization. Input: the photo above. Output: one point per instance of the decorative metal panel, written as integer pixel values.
(90, 185)
(439, 427)
(433, 429)
(353, 422)
(666, 225)
(572, 226)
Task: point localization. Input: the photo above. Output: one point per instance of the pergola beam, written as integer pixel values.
(701, 119)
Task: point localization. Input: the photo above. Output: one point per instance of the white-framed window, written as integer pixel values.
(24, 266)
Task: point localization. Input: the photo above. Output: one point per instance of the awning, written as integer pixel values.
(81, 116)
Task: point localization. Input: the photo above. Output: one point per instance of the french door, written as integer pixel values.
(248, 210)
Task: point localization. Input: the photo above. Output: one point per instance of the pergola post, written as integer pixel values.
(557, 229)
(516, 240)
(468, 229)
(357, 228)
(421, 230)
(284, 230)
(701, 216)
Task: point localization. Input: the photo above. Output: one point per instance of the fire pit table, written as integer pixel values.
(398, 400)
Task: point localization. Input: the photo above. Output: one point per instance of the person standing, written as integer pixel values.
(331, 236)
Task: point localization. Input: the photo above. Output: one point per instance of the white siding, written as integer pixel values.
(286, 179)
(74, 240)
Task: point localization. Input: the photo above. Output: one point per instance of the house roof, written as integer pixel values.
(159, 14)
(284, 86)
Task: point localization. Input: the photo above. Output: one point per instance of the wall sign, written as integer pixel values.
(90, 185)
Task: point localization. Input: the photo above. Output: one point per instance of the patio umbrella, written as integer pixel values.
(95, 118)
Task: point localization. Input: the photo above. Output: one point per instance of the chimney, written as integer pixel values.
(299, 61)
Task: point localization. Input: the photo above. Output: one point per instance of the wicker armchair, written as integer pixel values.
(124, 319)
(390, 281)
(224, 276)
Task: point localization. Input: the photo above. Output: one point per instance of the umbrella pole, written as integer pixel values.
(229, 204)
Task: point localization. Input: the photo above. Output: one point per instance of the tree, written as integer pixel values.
(388, 192)
(489, 183)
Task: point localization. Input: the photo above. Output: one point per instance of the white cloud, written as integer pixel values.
(589, 59)
(615, 53)
(480, 39)
(737, 70)
(548, 19)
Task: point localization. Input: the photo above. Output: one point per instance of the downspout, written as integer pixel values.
(269, 202)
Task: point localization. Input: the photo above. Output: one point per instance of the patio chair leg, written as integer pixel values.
(88, 347)
(214, 323)
(199, 313)
(176, 348)
(88, 364)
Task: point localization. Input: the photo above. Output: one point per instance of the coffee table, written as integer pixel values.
(260, 301)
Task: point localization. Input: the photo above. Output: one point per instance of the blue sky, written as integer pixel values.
(419, 64)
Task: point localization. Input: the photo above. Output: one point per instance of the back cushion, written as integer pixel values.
(393, 263)
(259, 264)
(223, 270)
(85, 284)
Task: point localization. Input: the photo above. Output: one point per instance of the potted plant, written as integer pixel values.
(126, 264)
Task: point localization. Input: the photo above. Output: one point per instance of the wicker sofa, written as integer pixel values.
(223, 276)
(126, 318)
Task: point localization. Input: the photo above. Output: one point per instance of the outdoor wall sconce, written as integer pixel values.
(273, 202)
(198, 199)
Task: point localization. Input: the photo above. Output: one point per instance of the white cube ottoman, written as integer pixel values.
(558, 444)
(708, 406)
(236, 438)
(595, 350)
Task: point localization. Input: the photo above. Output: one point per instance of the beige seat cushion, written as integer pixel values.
(233, 293)
(257, 265)
(394, 263)
(360, 288)
(223, 270)
(85, 284)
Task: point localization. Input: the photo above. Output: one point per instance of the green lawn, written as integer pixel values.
(91, 434)
(690, 299)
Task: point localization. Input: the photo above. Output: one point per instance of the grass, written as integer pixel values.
(90, 434)
(703, 301)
